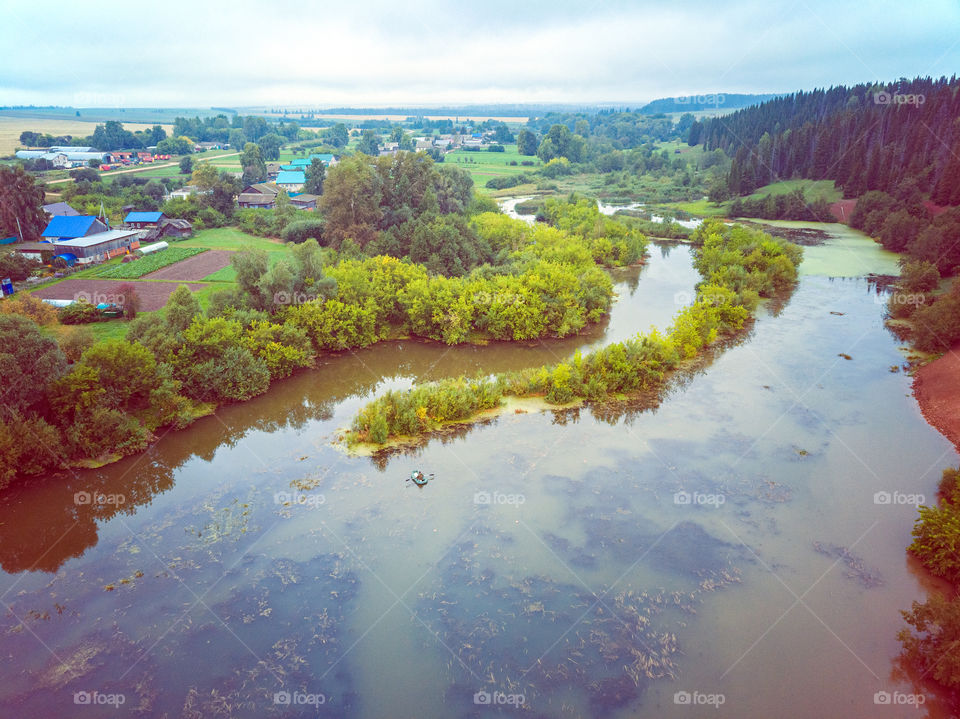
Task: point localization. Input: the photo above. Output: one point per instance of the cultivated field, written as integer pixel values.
(11, 127)
(192, 268)
(153, 295)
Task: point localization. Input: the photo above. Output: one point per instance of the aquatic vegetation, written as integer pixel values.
(738, 265)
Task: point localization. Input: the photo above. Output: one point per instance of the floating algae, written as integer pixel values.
(549, 640)
(867, 577)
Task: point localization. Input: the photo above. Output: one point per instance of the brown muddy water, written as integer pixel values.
(726, 553)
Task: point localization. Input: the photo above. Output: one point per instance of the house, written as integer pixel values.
(174, 229)
(62, 227)
(424, 145)
(42, 251)
(204, 146)
(183, 193)
(302, 163)
(304, 201)
(272, 169)
(143, 220)
(291, 181)
(97, 247)
(261, 195)
(257, 200)
(60, 208)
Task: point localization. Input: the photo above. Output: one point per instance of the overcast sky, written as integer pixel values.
(206, 53)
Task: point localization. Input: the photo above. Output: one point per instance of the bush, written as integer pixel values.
(496, 148)
(919, 276)
(27, 305)
(301, 230)
(79, 313)
(17, 266)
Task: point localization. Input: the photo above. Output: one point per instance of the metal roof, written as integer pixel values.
(286, 177)
(143, 217)
(98, 238)
(63, 226)
(60, 208)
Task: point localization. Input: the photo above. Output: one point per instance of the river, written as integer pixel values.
(726, 547)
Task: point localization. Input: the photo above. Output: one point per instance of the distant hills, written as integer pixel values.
(728, 101)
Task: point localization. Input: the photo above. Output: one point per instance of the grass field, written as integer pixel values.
(11, 127)
(229, 238)
(484, 165)
(812, 190)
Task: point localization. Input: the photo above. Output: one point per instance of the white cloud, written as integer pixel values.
(245, 53)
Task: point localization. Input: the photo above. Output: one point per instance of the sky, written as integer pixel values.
(203, 53)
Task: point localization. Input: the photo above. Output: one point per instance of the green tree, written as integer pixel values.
(270, 145)
(351, 201)
(254, 168)
(338, 136)
(369, 143)
(29, 362)
(182, 307)
(21, 204)
(527, 142)
(204, 176)
(316, 173)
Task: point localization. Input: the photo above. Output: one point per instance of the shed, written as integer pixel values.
(256, 199)
(100, 246)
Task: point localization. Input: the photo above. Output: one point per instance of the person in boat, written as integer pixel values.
(418, 476)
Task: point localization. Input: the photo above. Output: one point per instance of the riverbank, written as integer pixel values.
(936, 387)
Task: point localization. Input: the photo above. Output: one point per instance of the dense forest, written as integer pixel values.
(866, 137)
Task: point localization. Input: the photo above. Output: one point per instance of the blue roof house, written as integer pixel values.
(291, 181)
(140, 220)
(62, 227)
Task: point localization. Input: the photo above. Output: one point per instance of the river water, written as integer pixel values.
(725, 548)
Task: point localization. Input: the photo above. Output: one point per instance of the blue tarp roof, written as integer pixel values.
(291, 178)
(143, 217)
(69, 227)
(67, 257)
(8, 240)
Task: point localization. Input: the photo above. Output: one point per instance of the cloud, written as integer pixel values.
(425, 51)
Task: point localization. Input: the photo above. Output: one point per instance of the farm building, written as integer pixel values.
(143, 220)
(98, 247)
(304, 201)
(262, 188)
(183, 193)
(43, 251)
(291, 181)
(60, 209)
(64, 159)
(257, 200)
(174, 229)
(272, 169)
(62, 227)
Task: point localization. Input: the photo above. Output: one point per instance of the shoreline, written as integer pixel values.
(936, 387)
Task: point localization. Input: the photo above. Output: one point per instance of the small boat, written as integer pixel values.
(418, 478)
